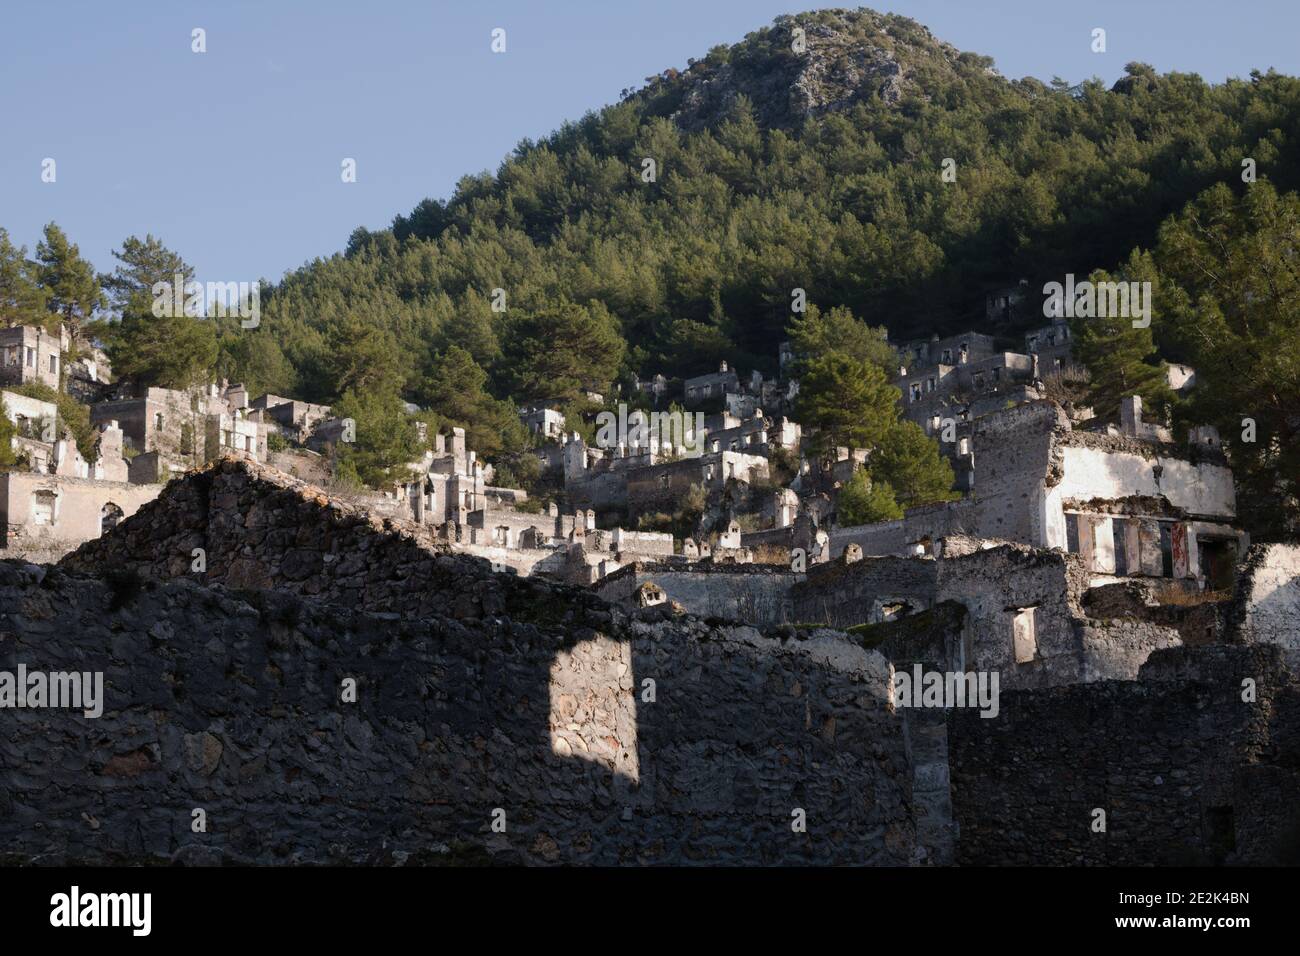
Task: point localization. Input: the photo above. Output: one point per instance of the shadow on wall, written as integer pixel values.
(230, 702)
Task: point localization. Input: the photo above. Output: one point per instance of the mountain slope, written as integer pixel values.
(777, 170)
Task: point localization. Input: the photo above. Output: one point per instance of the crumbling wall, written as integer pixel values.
(1266, 607)
(1197, 616)
(1011, 590)
(883, 538)
(602, 737)
(1184, 770)
(243, 525)
(865, 591)
(752, 593)
(78, 512)
(1116, 466)
(586, 742)
(1013, 450)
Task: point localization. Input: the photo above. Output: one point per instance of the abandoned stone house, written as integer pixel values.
(450, 482)
(35, 423)
(169, 431)
(567, 547)
(939, 376)
(28, 353)
(713, 386)
(57, 500)
(1003, 305)
(1051, 344)
(754, 433)
(1128, 504)
(661, 487)
(295, 420)
(45, 516)
(950, 351)
(597, 477)
(450, 494)
(89, 378)
(1039, 618)
(757, 393)
(656, 386)
(543, 421)
(44, 446)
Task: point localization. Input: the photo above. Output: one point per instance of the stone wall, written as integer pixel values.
(662, 486)
(864, 592)
(883, 538)
(1013, 460)
(77, 516)
(1184, 769)
(603, 736)
(1010, 591)
(1266, 607)
(601, 742)
(750, 593)
(1006, 590)
(258, 528)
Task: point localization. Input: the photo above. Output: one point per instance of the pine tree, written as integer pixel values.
(455, 388)
(253, 358)
(1122, 360)
(908, 460)
(385, 438)
(845, 402)
(559, 352)
(863, 501)
(69, 280)
(1230, 297)
(141, 263)
(22, 299)
(363, 357)
(165, 350)
(815, 333)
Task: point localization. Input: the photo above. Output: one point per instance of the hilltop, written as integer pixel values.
(848, 57)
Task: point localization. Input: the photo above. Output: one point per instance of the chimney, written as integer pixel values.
(1130, 414)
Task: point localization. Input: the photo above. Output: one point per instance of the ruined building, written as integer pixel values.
(611, 736)
(28, 353)
(55, 499)
(170, 431)
(1130, 503)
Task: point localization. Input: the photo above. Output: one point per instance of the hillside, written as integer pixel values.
(777, 170)
(849, 160)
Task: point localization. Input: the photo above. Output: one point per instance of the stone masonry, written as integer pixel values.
(597, 734)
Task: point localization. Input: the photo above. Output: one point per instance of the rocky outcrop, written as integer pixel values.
(843, 57)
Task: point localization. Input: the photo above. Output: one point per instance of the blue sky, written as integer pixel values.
(232, 157)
